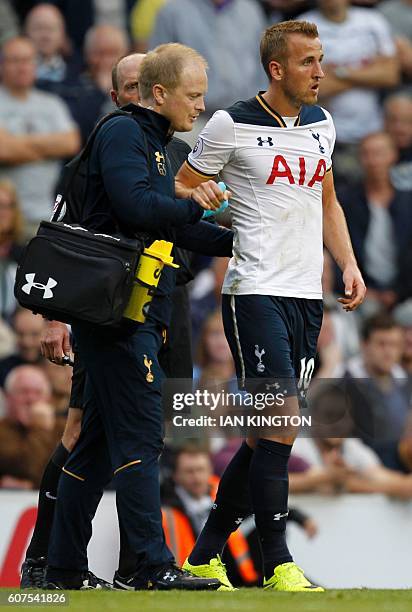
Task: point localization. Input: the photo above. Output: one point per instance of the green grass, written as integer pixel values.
(244, 600)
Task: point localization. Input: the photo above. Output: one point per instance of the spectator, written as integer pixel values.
(378, 388)
(191, 489)
(142, 22)
(403, 317)
(211, 27)
(46, 29)
(339, 465)
(28, 328)
(379, 219)
(354, 72)
(81, 15)
(9, 26)
(86, 94)
(187, 499)
(27, 433)
(88, 97)
(398, 123)
(36, 132)
(103, 46)
(11, 226)
(399, 14)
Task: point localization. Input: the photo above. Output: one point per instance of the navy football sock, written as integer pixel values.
(47, 500)
(231, 506)
(269, 487)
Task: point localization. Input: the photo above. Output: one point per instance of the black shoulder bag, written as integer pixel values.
(68, 273)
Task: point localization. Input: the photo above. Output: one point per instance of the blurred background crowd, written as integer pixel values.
(55, 81)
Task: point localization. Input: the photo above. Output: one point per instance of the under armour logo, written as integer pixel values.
(260, 366)
(262, 141)
(47, 289)
(239, 520)
(280, 515)
(169, 576)
(317, 137)
(160, 161)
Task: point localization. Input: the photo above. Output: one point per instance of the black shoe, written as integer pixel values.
(168, 577)
(82, 582)
(33, 573)
(127, 583)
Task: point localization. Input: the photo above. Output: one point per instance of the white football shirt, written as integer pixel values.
(275, 174)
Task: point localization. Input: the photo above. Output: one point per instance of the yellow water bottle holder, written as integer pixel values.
(148, 273)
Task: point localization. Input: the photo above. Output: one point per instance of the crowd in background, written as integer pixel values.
(55, 82)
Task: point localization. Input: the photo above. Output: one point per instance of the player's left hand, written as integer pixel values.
(355, 289)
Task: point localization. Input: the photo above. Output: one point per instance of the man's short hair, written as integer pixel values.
(28, 370)
(274, 42)
(380, 321)
(164, 65)
(191, 449)
(115, 69)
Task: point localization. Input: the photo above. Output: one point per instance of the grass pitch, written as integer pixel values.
(244, 600)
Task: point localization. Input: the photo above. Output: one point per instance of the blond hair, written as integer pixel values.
(164, 66)
(274, 42)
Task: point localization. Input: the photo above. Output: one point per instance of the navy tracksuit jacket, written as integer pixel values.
(131, 187)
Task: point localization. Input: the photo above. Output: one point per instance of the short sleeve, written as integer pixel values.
(214, 147)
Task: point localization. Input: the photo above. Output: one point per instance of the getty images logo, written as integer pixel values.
(47, 289)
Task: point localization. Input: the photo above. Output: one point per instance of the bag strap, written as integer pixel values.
(85, 153)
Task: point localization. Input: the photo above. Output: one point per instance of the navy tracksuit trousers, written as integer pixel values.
(121, 438)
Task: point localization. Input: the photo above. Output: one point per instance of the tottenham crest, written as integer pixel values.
(259, 354)
(198, 148)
